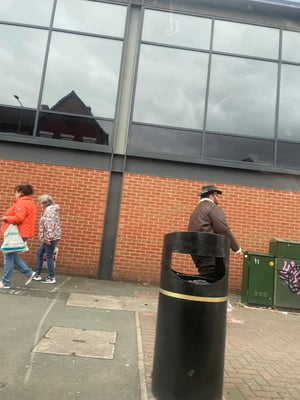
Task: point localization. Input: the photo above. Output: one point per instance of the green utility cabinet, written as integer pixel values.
(258, 278)
(284, 248)
(287, 283)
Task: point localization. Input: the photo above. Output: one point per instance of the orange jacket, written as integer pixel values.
(23, 214)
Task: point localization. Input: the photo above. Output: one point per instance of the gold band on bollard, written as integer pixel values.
(193, 298)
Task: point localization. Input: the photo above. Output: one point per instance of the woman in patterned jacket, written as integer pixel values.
(49, 233)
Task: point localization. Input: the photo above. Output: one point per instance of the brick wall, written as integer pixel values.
(150, 208)
(153, 206)
(81, 194)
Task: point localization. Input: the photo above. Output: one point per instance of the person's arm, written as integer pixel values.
(221, 227)
(20, 213)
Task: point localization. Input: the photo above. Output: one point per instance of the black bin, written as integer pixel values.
(191, 322)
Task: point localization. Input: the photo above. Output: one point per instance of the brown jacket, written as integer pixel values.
(208, 217)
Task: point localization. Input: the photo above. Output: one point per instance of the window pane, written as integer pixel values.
(86, 67)
(291, 46)
(70, 128)
(245, 39)
(171, 87)
(99, 18)
(26, 11)
(288, 155)
(289, 111)
(16, 120)
(176, 29)
(242, 96)
(151, 139)
(239, 149)
(22, 54)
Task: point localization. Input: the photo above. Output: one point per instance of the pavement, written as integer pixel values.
(91, 339)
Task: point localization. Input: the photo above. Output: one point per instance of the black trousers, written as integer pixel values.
(210, 268)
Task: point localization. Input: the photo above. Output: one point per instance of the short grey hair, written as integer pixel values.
(46, 199)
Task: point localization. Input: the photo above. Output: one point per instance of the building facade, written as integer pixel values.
(122, 110)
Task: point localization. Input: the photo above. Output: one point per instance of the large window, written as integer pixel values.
(61, 82)
(176, 29)
(97, 59)
(238, 148)
(248, 40)
(291, 46)
(289, 117)
(36, 12)
(160, 101)
(216, 90)
(22, 52)
(242, 96)
(289, 114)
(171, 84)
(90, 16)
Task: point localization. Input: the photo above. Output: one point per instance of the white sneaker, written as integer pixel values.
(2, 286)
(49, 280)
(37, 277)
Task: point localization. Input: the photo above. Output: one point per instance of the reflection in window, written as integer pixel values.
(105, 19)
(176, 29)
(154, 139)
(246, 39)
(291, 46)
(289, 110)
(27, 12)
(17, 120)
(90, 66)
(68, 127)
(288, 155)
(242, 96)
(171, 93)
(247, 150)
(22, 54)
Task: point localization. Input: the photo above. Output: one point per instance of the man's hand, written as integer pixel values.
(239, 252)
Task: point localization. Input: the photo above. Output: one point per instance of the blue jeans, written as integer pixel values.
(11, 259)
(49, 250)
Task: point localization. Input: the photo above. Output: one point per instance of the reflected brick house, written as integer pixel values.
(79, 129)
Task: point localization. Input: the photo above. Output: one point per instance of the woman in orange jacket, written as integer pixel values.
(23, 214)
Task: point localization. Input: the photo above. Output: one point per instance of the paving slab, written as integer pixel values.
(78, 342)
(112, 302)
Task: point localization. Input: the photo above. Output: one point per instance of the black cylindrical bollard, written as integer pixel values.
(191, 323)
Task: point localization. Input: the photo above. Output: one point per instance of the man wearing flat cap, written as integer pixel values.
(209, 217)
